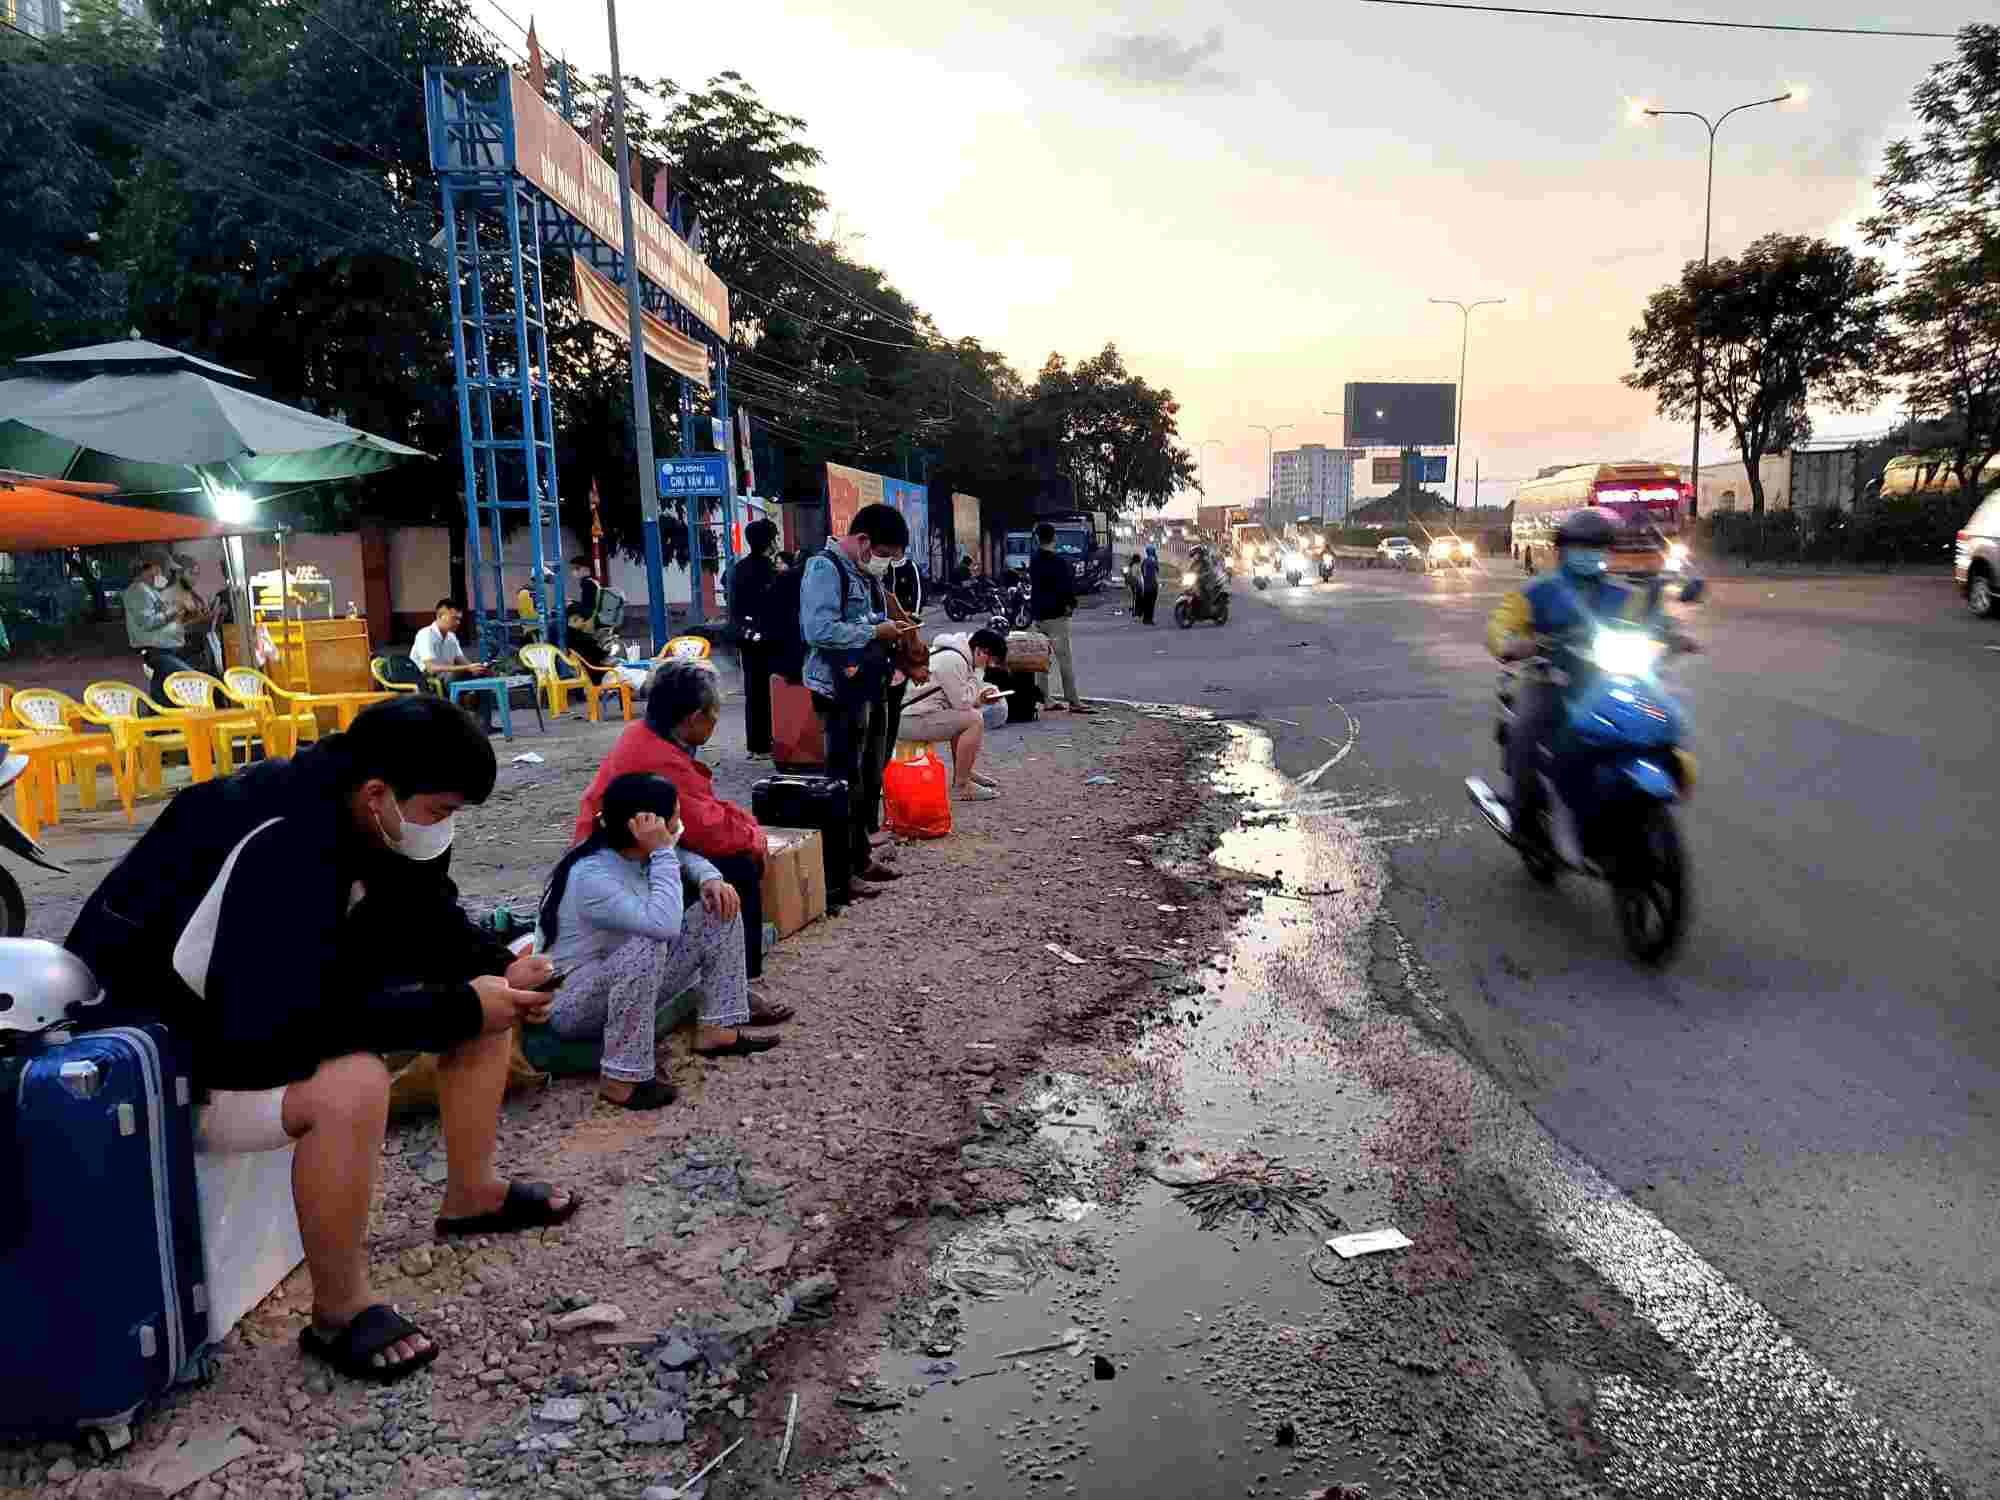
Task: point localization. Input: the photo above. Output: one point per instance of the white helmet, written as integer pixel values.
(42, 984)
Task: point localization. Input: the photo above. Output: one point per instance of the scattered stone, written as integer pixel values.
(679, 1354)
(562, 1409)
(596, 1315)
(813, 1290)
(61, 1469)
(944, 1206)
(739, 1408)
(1287, 1435)
(417, 1261)
(668, 1427)
(1102, 1368)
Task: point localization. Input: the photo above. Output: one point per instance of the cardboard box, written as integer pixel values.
(794, 879)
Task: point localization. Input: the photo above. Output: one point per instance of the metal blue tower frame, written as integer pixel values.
(497, 224)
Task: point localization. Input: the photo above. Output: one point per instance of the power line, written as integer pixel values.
(829, 327)
(842, 292)
(1595, 15)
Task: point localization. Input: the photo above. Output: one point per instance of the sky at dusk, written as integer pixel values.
(1256, 202)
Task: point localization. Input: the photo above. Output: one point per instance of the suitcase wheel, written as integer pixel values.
(102, 1442)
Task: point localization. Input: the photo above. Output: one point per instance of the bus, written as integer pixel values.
(1652, 499)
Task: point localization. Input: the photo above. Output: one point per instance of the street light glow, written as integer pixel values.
(1638, 111)
(232, 507)
(1795, 96)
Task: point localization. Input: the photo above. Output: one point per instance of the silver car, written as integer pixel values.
(1976, 559)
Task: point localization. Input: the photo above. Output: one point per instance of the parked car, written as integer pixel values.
(1398, 550)
(1976, 559)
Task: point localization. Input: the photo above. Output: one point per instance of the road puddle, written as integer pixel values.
(1541, 1334)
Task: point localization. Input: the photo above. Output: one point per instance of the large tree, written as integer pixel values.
(1940, 200)
(1114, 437)
(1790, 324)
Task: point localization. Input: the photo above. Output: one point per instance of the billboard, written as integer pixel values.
(1430, 469)
(551, 155)
(847, 490)
(1385, 471)
(965, 523)
(1400, 414)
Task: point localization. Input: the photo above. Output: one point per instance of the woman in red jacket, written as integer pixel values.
(682, 712)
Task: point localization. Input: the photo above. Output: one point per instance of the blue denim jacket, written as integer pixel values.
(836, 613)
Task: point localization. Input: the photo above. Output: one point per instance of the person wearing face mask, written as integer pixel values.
(846, 669)
(153, 621)
(682, 714)
(290, 924)
(624, 937)
(1542, 618)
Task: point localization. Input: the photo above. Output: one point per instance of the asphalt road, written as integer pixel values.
(1808, 1094)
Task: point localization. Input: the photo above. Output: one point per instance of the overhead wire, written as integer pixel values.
(829, 327)
(1596, 15)
(317, 15)
(839, 291)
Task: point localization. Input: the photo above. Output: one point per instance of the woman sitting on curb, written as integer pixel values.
(947, 706)
(623, 938)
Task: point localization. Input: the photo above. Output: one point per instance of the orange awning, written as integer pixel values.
(34, 519)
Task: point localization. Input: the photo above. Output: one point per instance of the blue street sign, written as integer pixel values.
(1433, 468)
(706, 474)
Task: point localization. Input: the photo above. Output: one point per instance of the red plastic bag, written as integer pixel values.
(917, 793)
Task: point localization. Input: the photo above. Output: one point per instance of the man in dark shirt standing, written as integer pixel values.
(1052, 600)
(749, 597)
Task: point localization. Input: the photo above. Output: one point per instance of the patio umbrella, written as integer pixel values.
(37, 514)
(151, 420)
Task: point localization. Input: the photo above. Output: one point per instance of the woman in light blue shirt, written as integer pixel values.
(623, 936)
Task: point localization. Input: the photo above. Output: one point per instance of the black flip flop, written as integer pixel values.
(370, 1332)
(526, 1207)
(652, 1094)
(743, 1046)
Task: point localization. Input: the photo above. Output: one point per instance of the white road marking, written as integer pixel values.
(1311, 778)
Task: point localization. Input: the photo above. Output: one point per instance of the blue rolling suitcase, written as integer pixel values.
(100, 1233)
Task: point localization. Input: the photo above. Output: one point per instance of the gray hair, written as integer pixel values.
(680, 689)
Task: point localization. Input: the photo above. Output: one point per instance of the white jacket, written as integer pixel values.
(955, 685)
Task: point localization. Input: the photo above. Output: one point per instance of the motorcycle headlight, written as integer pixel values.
(1441, 548)
(1465, 549)
(1625, 653)
(1188, 580)
(1291, 562)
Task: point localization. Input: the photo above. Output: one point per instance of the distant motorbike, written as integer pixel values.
(1260, 574)
(1191, 606)
(1293, 566)
(976, 596)
(13, 905)
(1609, 809)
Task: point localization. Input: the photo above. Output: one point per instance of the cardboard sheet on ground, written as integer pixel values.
(1369, 1242)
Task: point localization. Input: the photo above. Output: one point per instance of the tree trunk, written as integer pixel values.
(1753, 476)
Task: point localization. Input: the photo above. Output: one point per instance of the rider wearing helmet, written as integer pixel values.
(1207, 576)
(1532, 621)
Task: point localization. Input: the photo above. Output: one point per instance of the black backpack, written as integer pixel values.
(778, 623)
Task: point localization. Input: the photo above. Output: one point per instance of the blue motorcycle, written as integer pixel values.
(1618, 772)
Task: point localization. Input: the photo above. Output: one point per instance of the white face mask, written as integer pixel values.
(159, 580)
(418, 841)
(878, 566)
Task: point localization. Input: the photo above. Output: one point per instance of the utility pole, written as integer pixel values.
(1270, 477)
(642, 409)
(1464, 341)
(1707, 224)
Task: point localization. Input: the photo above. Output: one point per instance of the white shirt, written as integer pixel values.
(435, 648)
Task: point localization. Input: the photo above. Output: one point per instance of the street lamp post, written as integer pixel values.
(1464, 341)
(1270, 464)
(1707, 223)
(1202, 448)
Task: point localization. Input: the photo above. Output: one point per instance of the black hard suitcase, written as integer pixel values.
(101, 1264)
(820, 802)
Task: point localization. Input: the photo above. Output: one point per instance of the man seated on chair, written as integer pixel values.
(439, 657)
(681, 715)
(289, 925)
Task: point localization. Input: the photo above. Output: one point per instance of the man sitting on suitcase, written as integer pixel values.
(846, 669)
(289, 925)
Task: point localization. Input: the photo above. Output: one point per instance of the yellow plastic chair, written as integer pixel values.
(285, 723)
(115, 706)
(541, 659)
(6, 696)
(378, 669)
(198, 690)
(46, 711)
(685, 648)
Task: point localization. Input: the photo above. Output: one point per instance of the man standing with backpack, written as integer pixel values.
(749, 599)
(846, 667)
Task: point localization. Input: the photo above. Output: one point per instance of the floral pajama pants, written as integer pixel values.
(617, 996)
